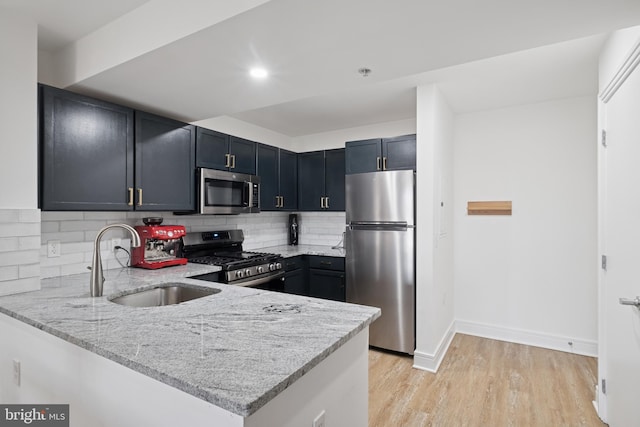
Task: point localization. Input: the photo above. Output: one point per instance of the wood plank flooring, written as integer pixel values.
(484, 382)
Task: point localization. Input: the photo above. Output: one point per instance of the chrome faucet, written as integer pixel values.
(97, 278)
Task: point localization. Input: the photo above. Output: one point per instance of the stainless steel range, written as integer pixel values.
(224, 248)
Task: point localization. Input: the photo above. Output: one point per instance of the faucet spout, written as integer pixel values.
(97, 278)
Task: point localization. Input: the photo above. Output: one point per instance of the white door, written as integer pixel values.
(621, 323)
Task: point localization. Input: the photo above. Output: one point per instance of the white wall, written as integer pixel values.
(235, 127)
(529, 277)
(434, 250)
(18, 112)
(336, 139)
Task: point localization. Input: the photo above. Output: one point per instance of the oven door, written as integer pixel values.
(270, 282)
(222, 192)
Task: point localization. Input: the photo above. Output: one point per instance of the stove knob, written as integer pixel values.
(239, 274)
(260, 270)
(247, 272)
(272, 267)
(278, 266)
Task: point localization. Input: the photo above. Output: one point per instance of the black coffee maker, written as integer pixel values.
(293, 229)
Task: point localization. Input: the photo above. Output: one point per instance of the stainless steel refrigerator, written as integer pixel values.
(380, 253)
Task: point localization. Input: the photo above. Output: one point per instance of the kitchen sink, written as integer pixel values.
(164, 294)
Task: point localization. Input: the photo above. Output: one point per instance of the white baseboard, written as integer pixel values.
(536, 339)
(431, 362)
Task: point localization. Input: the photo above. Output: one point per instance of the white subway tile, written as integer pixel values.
(8, 244)
(9, 216)
(82, 225)
(29, 242)
(19, 229)
(21, 285)
(49, 226)
(71, 236)
(62, 216)
(89, 216)
(9, 273)
(19, 257)
(29, 270)
(29, 215)
(50, 271)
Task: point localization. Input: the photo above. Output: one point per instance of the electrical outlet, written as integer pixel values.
(319, 420)
(53, 248)
(16, 372)
(114, 243)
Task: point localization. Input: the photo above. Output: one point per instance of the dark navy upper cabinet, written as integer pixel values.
(242, 155)
(165, 164)
(399, 153)
(363, 156)
(268, 172)
(373, 155)
(288, 180)
(86, 153)
(278, 171)
(216, 150)
(321, 180)
(212, 149)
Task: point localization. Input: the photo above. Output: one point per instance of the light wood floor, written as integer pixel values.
(483, 382)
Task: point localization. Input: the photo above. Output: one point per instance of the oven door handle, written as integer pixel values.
(250, 283)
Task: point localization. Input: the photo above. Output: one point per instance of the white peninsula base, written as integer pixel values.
(101, 392)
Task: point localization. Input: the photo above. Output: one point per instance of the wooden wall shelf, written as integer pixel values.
(489, 208)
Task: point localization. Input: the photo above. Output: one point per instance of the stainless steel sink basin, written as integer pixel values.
(164, 294)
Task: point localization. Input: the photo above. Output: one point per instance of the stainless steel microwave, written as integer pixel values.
(222, 192)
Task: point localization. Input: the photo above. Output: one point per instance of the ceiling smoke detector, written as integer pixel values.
(364, 71)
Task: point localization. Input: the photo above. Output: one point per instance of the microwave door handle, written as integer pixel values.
(248, 194)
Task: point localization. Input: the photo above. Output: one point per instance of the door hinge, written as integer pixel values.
(604, 386)
(604, 262)
(604, 138)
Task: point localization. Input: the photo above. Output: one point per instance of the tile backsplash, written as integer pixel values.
(76, 232)
(19, 250)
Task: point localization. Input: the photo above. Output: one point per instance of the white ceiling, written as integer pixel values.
(482, 55)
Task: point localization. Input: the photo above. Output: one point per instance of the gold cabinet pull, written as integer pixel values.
(326, 203)
(139, 196)
(227, 160)
(378, 163)
(384, 163)
(233, 161)
(130, 202)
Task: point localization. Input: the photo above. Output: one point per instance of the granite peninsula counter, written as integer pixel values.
(238, 349)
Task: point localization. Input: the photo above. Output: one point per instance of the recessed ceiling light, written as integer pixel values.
(364, 71)
(258, 73)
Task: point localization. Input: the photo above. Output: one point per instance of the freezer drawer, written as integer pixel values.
(380, 269)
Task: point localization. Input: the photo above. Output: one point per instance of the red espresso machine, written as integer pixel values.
(158, 244)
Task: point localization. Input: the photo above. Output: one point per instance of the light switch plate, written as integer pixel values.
(16, 372)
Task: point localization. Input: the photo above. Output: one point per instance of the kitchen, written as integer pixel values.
(471, 253)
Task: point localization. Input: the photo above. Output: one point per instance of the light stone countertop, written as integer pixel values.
(237, 349)
(289, 251)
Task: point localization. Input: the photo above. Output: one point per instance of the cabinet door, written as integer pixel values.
(165, 164)
(327, 284)
(87, 153)
(211, 149)
(363, 156)
(334, 164)
(268, 172)
(310, 180)
(399, 153)
(245, 155)
(289, 179)
(295, 282)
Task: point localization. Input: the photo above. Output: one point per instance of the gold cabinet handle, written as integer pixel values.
(130, 202)
(233, 161)
(281, 202)
(321, 202)
(384, 163)
(326, 203)
(378, 163)
(139, 196)
(227, 160)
